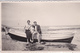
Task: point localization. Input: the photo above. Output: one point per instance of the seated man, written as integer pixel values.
(37, 32)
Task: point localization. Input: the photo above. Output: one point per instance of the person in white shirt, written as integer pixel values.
(28, 31)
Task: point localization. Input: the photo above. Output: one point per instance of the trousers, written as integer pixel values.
(28, 35)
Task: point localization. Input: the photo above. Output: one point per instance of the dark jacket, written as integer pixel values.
(38, 29)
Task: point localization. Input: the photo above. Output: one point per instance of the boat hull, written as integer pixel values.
(49, 36)
(24, 39)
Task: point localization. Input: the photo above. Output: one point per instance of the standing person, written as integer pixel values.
(37, 32)
(28, 32)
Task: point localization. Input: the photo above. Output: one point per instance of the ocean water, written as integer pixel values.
(53, 31)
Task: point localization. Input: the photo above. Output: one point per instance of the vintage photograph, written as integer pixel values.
(40, 26)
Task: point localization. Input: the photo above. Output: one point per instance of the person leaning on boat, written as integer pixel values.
(37, 32)
(28, 31)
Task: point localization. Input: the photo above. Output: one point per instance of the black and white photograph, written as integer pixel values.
(40, 26)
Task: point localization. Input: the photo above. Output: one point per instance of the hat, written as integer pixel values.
(35, 22)
(28, 20)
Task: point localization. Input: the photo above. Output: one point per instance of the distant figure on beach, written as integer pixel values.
(37, 32)
(6, 30)
(27, 28)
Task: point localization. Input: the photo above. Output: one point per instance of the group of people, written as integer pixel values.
(33, 32)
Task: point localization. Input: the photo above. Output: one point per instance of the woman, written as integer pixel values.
(28, 31)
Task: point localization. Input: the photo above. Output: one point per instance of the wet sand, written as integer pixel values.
(9, 44)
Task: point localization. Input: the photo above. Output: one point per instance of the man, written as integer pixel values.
(37, 31)
(28, 31)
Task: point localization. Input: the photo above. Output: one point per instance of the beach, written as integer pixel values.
(9, 44)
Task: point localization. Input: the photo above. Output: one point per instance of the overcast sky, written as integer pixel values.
(45, 13)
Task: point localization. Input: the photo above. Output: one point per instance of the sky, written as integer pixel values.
(45, 13)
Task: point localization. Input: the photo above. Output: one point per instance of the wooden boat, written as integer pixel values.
(49, 36)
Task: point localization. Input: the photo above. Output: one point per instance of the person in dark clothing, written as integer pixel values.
(37, 32)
